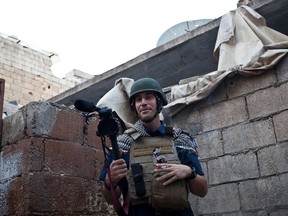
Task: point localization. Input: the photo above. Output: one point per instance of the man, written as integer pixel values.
(147, 100)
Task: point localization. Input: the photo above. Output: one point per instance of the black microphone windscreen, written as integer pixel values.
(85, 106)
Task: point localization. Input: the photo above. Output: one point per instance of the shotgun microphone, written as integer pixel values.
(85, 106)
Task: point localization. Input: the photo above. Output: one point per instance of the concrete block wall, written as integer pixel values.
(27, 73)
(50, 163)
(242, 135)
(50, 160)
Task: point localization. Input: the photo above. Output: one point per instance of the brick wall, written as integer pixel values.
(242, 135)
(50, 159)
(27, 73)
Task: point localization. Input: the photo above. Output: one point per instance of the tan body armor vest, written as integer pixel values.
(143, 186)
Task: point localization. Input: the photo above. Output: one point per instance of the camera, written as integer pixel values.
(108, 125)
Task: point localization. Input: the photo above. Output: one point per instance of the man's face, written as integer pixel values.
(146, 106)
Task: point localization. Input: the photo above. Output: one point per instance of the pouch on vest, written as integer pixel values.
(137, 172)
(170, 197)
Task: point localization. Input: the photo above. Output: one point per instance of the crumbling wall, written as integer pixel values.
(242, 135)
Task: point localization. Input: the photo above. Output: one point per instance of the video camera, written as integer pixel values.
(108, 125)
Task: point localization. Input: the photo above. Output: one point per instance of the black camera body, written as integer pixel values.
(108, 125)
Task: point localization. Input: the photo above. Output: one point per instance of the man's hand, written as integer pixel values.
(172, 172)
(118, 170)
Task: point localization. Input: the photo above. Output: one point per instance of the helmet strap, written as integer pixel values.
(132, 106)
(159, 103)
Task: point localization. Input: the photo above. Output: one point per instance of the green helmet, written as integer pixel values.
(146, 84)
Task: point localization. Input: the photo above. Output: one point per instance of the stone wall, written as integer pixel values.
(50, 160)
(27, 73)
(242, 135)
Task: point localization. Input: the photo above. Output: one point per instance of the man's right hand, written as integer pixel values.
(118, 170)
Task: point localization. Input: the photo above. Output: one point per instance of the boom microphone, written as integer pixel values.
(85, 106)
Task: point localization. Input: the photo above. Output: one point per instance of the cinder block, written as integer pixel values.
(224, 114)
(281, 126)
(14, 161)
(14, 196)
(264, 193)
(68, 126)
(65, 195)
(69, 159)
(13, 128)
(25, 156)
(273, 159)
(231, 168)
(248, 136)
(50, 120)
(268, 101)
(217, 195)
(210, 144)
(219, 94)
(187, 119)
(240, 85)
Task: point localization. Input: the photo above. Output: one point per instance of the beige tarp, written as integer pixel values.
(244, 45)
(118, 100)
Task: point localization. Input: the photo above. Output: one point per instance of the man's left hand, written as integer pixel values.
(172, 172)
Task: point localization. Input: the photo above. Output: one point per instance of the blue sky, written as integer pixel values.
(95, 36)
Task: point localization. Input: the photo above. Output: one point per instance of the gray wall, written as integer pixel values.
(242, 133)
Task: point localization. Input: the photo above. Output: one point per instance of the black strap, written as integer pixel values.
(137, 172)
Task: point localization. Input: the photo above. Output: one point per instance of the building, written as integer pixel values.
(27, 74)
